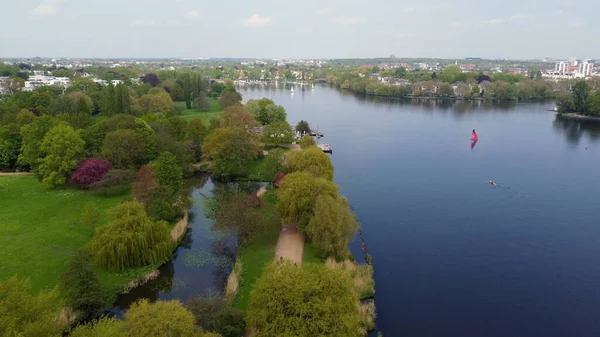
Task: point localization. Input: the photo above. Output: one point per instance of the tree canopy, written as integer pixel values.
(278, 134)
(62, 148)
(232, 150)
(312, 160)
(312, 300)
(124, 149)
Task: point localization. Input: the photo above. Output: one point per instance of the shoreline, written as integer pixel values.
(574, 115)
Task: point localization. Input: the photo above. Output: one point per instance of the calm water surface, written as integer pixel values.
(453, 255)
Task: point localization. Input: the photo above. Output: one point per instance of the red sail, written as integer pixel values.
(474, 135)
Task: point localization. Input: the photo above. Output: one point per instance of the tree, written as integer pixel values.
(144, 184)
(303, 128)
(564, 103)
(33, 134)
(446, 89)
(151, 79)
(89, 171)
(104, 327)
(238, 117)
(177, 127)
(593, 104)
(81, 287)
(232, 150)
(131, 239)
(266, 112)
(162, 204)
(122, 99)
(24, 314)
(160, 103)
(124, 149)
(278, 134)
(274, 162)
(10, 145)
(312, 300)
(25, 117)
(580, 92)
(307, 141)
(82, 117)
(215, 313)
(115, 182)
(213, 124)
(450, 74)
(63, 148)
(163, 318)
(168, 172)
(312, 160)
(333, 226)
(110, 99)
(228, 99)
(298, 194)
(91, 216)
(216, 89)
(196, 131)
(12, 84)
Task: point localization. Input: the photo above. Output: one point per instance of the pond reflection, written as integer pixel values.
(575, 129)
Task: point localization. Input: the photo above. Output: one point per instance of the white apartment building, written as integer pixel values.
(561, 67)
(37, 81)
(586, 68)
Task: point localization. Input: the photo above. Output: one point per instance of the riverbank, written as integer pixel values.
(572, 115)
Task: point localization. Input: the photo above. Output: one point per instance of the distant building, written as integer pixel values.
(586, 68)
(561, 67)
(37, 81)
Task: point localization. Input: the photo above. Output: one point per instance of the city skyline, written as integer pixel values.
(312, 29)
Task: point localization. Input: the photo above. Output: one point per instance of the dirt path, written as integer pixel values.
(15, 174)
(290, 245)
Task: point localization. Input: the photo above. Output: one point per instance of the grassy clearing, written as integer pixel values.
(257, 170)
(205, 115)
(42, 227)
(312, 254)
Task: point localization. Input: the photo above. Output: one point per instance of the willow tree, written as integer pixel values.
(298, 194)
(307, 141)
(131, 239)
(311, 160)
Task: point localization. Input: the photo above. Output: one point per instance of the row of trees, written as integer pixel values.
(582, 99)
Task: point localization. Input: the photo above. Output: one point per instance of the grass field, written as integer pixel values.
(312, 254)
(205, 115)
(40, 229)
(257, 170)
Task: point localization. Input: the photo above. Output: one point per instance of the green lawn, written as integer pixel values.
(257, 170)
(205, 115)
(312, 254)
(40, 228)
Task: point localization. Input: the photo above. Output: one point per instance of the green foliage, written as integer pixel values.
(162, 204)
(81, 287)
(580, 92)
(131, 239)
(23, 314)
(215, 313)
(307, 141)
(157, 103)
(196, 131)
(63, 148)
(115, 182)
(232, 150)
(278, 134)
(158, 320)
(33, 134)
(10, 146)
(592, 105)
(333, 226)
(237, 117)
(229, 99)
(450, 74)
(312, 160)
(168, 172)
(302, 127)
(298, 194)
(124, 149)
(274, 163)
(105, 327)
(213, 124)
(312, 300)
(91, 216)
(266, 112)
(564, 103)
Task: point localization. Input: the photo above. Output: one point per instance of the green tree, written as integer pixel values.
(81, 287)
(213, 124)
(307, 141)
(229, 99)
(278, 134)
(163, 318)
(302, 127)
(91, 216)
(23, 314)
(580, 92)
(63, 149)
(238, 117)
(160, 103)
(110, 99)
(196, 131)
(333, 226)
(215, 313)
(232, 150)
(10, 145)
(124, 149)
(298, 194)
(312, 300)
(168, 172)
(274, 162)
(131, 239)
(33, 134)
(312, 160)
(450, 73)
(564, 103)
(82, 117)
(104, 327)
(593, 103)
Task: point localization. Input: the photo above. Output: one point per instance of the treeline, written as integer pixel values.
(582, 99)
(450, 83)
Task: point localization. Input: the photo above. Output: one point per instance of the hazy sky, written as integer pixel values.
(300, 29)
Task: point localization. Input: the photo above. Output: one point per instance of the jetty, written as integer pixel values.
(316, 133)
(326, 148)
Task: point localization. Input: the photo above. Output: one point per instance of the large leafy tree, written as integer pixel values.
(131, 239)
(298, 194)
(10, 145)
(307, 141)
(266, 112)
(168, 172)
(81, 287)
(332, 226)
(312, 160)
(238, 117)
(24, 314)
(124, 149)
(196, 131)
(580, 92)
(303, 127)
(160, 102)
(33, 134)
(278, 134)
(63, 148)
(312, 300)
(105, 327)
(215, 313)
(89, 171)
(232, 150)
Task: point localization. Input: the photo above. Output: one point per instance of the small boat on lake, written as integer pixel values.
(326, 148)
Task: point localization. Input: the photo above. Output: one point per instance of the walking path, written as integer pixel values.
(15, 174)
(290, 245)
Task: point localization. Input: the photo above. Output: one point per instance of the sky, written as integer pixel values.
(513, 29)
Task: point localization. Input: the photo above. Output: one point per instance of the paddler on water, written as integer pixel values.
(493, 183)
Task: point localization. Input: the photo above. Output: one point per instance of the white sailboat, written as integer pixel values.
(292, 91)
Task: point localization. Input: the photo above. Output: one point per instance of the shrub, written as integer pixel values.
(114, 182)
(312, 160)
(215, 313)
(89, 171)
(307, 141)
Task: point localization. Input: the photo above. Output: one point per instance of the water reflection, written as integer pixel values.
(574, 129)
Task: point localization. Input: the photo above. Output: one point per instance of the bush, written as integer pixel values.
(312, 160)
(214, 313)
(369, 259)
(307, 141)
(90, 171)
(115, 182)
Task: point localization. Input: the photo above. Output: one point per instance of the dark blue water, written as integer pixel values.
(453, 255)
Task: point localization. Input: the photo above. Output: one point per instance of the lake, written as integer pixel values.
(454, 255)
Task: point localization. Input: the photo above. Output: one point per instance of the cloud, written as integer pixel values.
(257, 20)
(143, 22)
(192, 15)
(45, 10)
(494, 21)
(323, 11)
(519, 16)
(349, 20)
